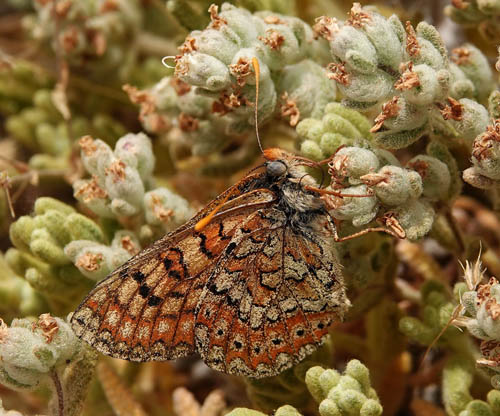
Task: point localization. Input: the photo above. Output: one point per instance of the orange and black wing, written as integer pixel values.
(269, 303)
(145, 310)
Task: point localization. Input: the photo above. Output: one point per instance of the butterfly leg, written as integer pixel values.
(335, 193)
(395, 232)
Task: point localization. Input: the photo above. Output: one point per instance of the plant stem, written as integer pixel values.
(59, 391)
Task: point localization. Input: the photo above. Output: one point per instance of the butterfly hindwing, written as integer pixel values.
(270, 302)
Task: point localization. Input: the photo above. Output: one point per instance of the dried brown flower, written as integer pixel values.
(390, 221)
(117, 170)
(49, 326)
(274, 39)
(289, 109)
(188, 46)
(128, 245)
(453, 110)
(90, 261)
(460, 55)
(357, 16)
(217, 21)
(408, 79)
(274, 20)
(180, 86)
(187, 122)
(338, 73)
(241, 70)
(91, 190)
(412, 46)
(325, 27)
(483, 143)
(420, 166)
(389, 109)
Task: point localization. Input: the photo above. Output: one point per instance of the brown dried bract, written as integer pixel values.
(117, 170)
(372, 179)
(453, 110)
(49, 326)
(90, 261)
(274, 39)
(357, 16)
(274, 20)
(181, 66)
(159, 211)
(4, 331)
(412, 46)
(180, 87)
(87, 144)
(128, 245)
(227, 102)
(217, 21)
(389, 109)
(325, 27)
(188, 46)
(241, 70)
(187, 122)
(483, 143)
(289, 109)
(460, 4)
(148, 113)
(91, 190)
(408, 79)
(460, 56)
(390, 221)
(338, 73)
(419, 166)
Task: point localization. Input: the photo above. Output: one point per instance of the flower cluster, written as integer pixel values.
(398, 197)
(377, 61)
(337, 394)
(89, 35)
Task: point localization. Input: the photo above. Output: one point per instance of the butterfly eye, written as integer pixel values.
(276, 168)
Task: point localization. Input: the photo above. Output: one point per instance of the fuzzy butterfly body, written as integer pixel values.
(253, 290)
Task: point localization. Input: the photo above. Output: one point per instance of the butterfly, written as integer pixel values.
(251, 283)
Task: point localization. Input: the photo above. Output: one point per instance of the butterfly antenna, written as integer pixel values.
(256, 68)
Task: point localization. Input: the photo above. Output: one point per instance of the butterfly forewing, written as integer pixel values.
(145, 309)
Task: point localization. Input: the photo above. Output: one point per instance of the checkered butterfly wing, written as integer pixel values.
(248, 293)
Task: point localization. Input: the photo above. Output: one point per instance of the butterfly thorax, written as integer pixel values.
(289, 182)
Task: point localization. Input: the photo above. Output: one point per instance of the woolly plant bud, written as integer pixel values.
(415, 217)
(29, 350)
(343, 394)
(338, 126)
(351, 163)
(485, 323)
(471, 121)
(435, 176)
(358, 210)
(470, 65)
(393, 185)
(95, 261)
(136, 151)
(296, 84)
(486, 154)
(165, 208)
(218, 62)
